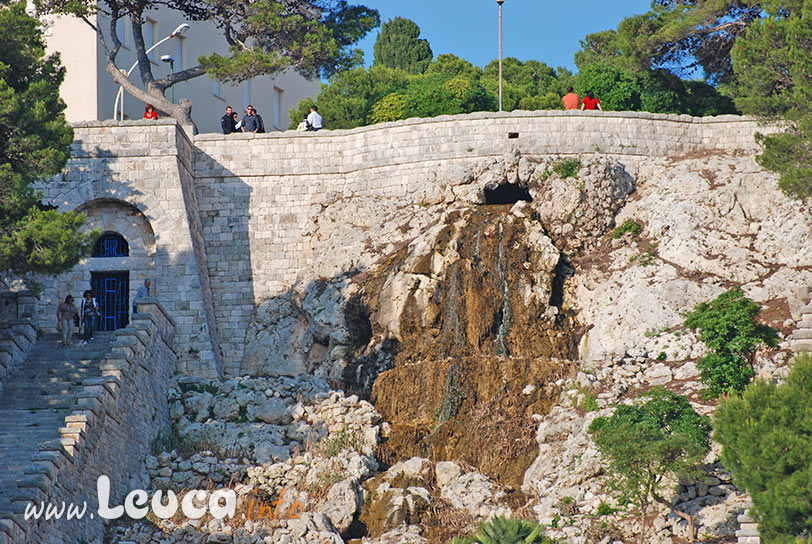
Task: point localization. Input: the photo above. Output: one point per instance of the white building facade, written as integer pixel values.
(90, 92)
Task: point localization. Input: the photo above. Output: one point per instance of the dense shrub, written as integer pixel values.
(728, 326)
(766, 437)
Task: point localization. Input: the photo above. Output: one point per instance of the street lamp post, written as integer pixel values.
(171, 60)
(500, 2)
(181, 28)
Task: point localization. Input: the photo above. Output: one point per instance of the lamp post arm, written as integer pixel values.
(120, 94)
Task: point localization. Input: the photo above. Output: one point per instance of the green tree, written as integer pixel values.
(616, 88)
(647, 444)
(264, 37)
(34, 145)
(452, 65)
(728, 326)
(347, 100)
(766, 437)
(524, 84)
(774, 82)
(399, 46)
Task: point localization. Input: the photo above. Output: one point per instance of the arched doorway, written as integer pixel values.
(111, 287)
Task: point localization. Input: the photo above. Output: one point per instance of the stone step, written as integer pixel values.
(802, 334)
(801, 344)
(37, 396)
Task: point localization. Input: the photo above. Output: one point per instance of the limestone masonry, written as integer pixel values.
(222, 223)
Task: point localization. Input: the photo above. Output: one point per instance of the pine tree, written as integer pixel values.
(399, 46)
(34, 144)
(766, 436)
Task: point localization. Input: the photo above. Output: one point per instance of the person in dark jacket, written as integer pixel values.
(249, 122)
(227, 122)
(260, 123)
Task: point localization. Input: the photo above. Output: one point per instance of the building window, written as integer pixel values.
(215, 89)
(180, 52)
(111, 244)
(149, 36)
(277, 108)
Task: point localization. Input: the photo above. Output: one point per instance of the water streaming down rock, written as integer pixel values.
(477, 341)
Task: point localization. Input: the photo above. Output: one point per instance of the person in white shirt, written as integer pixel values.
(314, 119)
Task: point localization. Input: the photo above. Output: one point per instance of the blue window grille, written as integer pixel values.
(111, 290)
(111, 244)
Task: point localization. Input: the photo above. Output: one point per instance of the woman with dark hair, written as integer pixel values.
(590, 102)
(149, 112)
(64, 316)
(89, 310)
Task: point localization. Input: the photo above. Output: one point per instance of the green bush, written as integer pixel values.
(647, 444)
(631, 226)
(766, 437)
(390, 108)
(728, 326)
(567, 167)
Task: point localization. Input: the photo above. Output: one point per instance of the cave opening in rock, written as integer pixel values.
(508, 193)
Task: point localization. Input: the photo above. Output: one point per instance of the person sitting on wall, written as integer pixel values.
(590, 102)
(314, 121)
(228, 122)
(302, 126)
(570, 100)
(141, 294)
(65, 313)
(149, 112)
(249, 121)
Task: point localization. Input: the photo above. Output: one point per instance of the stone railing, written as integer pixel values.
(109, 432)
(18, 329)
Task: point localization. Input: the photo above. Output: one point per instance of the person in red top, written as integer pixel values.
(150, 113)
(590, 102)
(570, 100)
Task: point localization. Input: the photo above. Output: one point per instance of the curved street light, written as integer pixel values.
(181, 28)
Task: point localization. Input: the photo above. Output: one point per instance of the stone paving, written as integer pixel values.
(37, 396)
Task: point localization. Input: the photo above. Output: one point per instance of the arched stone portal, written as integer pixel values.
(123, 257)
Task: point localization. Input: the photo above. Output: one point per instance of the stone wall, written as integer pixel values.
(18, 329)
(225, 222)
(258, 195)
(109, 432)
(136, 179)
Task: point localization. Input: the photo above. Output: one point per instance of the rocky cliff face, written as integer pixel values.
(488, 336)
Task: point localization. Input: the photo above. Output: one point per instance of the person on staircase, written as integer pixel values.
(89, 310)
(65, 313)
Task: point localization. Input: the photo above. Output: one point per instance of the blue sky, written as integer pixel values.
(532, 29)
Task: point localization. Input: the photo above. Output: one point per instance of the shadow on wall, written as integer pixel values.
(224, 204)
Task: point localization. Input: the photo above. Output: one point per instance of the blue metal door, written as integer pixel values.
(111, 290)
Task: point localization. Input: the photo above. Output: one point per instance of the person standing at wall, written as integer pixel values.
(570, 100)
(260, 122)
(89, 310)
(141, 294)
(228, 122)
(249, 122)
(65, 313)
(590, 102)
(314, 121)
(149, 112)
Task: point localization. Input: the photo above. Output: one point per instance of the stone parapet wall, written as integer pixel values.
(109, 432)
(18, 329)
(460, 137)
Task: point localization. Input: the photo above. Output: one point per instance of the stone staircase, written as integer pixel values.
(802, 337)
(37, 396)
